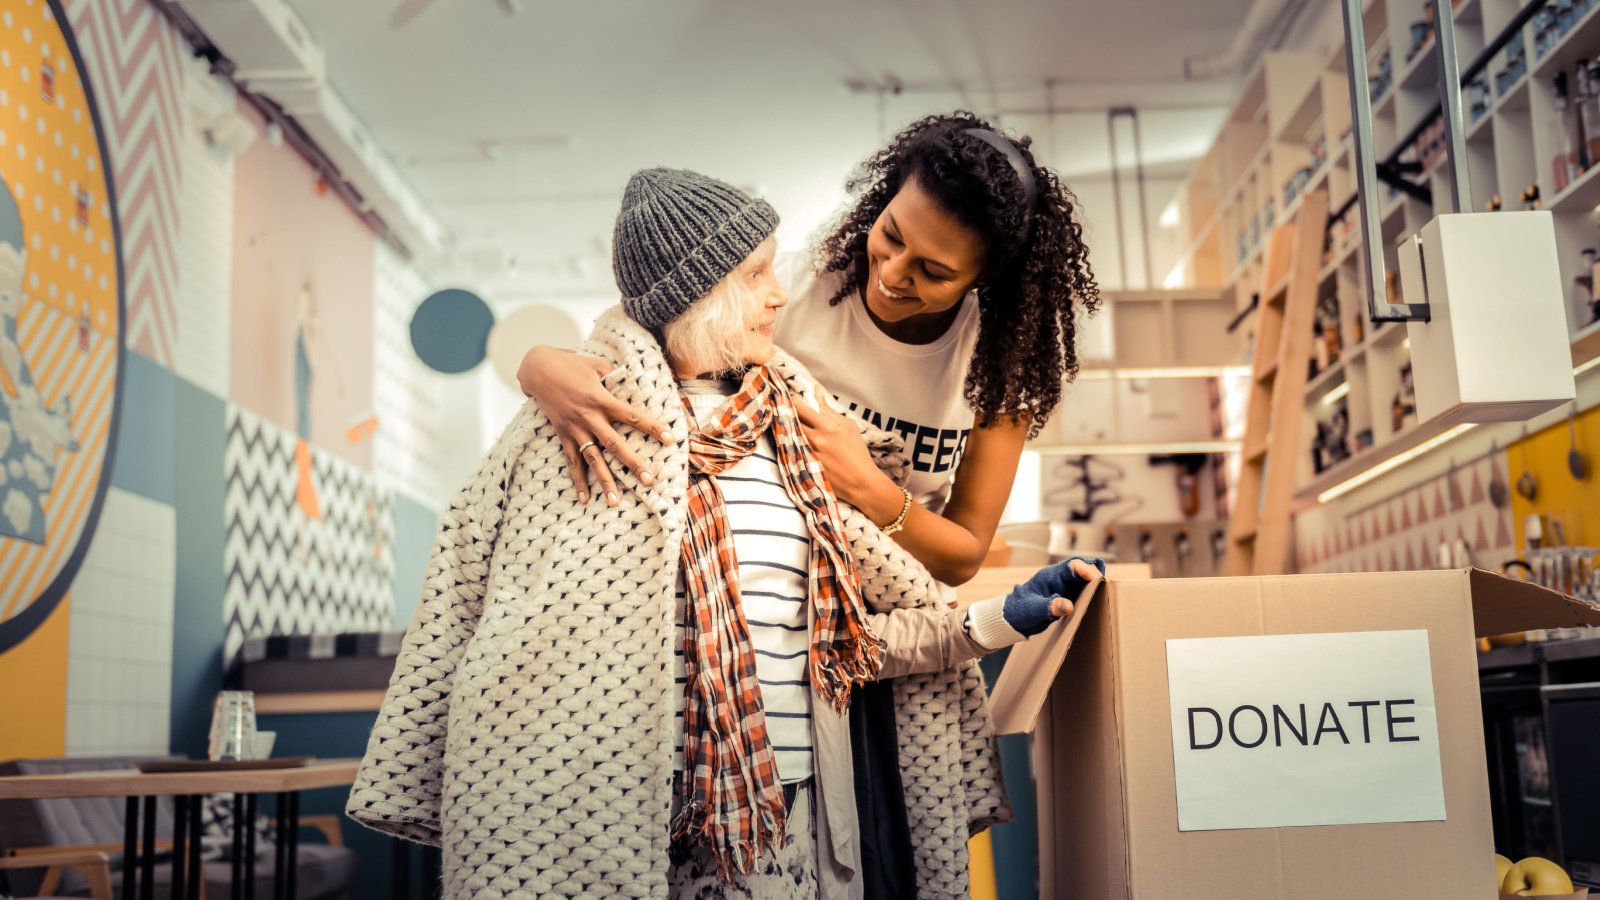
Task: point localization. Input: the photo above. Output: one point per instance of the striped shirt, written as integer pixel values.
(773, 547)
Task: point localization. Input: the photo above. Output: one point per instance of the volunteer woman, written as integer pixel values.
(942, 306)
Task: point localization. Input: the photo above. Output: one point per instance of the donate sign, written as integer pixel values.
(1304, 729)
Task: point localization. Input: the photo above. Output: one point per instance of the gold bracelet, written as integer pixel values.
(900, 520)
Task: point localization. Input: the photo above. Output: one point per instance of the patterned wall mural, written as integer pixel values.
(135, 63)
(61, 315)
(289, 572)
(104, 158)
(1404, 532)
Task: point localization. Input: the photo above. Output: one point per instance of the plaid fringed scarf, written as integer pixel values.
(732, 798)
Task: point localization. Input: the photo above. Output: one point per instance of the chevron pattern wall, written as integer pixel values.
(289, 573)
(1404, 532)
(135, 64)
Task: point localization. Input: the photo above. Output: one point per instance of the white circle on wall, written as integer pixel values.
(516, 333)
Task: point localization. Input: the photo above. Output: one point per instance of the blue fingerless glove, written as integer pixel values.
(1027, 607)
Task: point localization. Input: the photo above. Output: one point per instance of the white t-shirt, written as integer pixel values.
(912, 389)
(773, 547)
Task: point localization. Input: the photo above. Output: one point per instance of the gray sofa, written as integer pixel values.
(91, 826)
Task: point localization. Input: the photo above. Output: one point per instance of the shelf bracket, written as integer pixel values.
(1394, 175)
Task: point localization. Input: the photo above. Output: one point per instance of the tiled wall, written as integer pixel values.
(205, 251)
(406, 397)
(119, 664)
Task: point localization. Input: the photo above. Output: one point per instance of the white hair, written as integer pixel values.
(710, 337)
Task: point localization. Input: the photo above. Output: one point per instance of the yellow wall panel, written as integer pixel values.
(33, 709)
(1560, 497)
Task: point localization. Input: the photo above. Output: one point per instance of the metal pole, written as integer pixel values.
(1116, 198)
(1455, 142)
(1144, 212)
(1355, 54)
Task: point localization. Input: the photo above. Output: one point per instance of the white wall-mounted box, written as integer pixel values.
(1496, 347)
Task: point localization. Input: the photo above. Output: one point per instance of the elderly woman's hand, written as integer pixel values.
(852, 474)
(567, 386)
(1034, 604)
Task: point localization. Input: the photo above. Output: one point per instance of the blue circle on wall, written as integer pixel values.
(450, 330)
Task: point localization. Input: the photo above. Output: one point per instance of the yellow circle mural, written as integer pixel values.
(61, 313)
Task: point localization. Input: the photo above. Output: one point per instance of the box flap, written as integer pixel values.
(1031, 669)
(1501, 605)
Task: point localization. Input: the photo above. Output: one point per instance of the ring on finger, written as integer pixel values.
(586, 445)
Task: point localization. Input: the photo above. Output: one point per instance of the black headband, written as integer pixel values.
(1030, 190)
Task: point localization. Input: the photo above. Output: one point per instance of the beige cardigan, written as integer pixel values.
(526, 728)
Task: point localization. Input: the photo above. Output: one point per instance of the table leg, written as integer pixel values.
(180, 844)
(292, 861)
(196, 847)
(250, 847)
(237, 886)
(147, 858)
(280, 848)
(130, 849)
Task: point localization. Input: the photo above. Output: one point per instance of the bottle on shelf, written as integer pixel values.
(1530, 196)
(1593, 312)
(1566, 166)
(1583, 285)
(1408, 394)
(1338, 444)
(1588, 102)
(1544, 30)
(1319, 348)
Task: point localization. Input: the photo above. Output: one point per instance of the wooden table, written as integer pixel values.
(143, 789)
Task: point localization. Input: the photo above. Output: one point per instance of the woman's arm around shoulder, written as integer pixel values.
(584, 414)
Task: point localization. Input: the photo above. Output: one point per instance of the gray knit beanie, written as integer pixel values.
(678, 234)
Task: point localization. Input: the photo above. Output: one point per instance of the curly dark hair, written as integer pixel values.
(1036, 267)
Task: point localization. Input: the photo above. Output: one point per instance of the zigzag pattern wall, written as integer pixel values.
(134, 61)
(289, 573)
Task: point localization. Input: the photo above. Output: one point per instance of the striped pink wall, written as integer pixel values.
(134, 61)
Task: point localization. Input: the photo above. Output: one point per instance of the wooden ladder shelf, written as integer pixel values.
(1258, 539)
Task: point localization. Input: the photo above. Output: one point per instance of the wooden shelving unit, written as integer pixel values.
(1292, 103)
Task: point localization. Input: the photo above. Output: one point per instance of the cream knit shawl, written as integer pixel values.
(526, 728)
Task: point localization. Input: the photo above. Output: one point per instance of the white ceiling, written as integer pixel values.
(572, 97)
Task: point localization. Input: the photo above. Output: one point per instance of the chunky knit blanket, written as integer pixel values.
(527, 725)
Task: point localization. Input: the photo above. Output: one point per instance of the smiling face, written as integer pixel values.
(763, 297)
(920, 260)
(731, 327)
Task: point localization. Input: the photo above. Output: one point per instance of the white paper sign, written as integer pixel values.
(1304, 729)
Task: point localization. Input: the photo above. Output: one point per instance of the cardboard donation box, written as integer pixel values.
(1304, 736)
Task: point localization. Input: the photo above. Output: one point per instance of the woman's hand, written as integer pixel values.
(567, 386)
(852, 474)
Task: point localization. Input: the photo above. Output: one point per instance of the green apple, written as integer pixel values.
(1536, 877)
(1501, 866)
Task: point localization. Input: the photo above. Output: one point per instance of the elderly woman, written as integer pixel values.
(651, 701)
